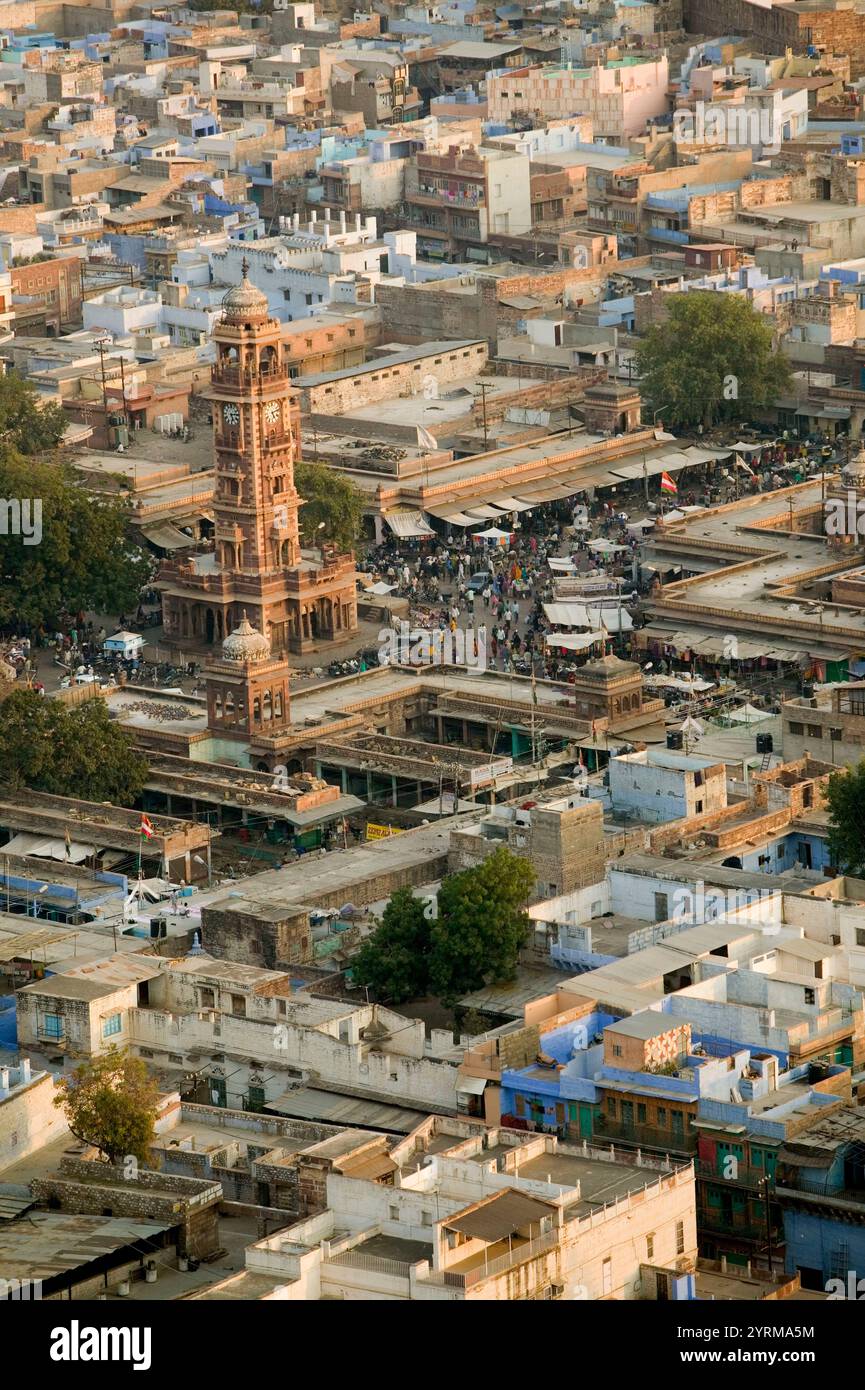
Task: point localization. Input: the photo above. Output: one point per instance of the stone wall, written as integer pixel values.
(781, 26)
(98, 1189)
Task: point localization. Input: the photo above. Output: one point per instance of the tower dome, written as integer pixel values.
(245, 643)
(244, 301)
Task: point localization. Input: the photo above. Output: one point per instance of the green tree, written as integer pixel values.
(111, 1103)
(845, 796)
(68, 750)
(331, 498)
(394, 961)
(481, 924)
(81, 556)
(25, 423)
(711, 359)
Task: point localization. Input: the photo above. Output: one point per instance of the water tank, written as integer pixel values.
(765, 743)
(675, 739)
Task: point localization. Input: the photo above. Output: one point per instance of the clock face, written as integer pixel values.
(272, 412)
(230, 414)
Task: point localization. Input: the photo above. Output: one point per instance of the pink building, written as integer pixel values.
(620, 97)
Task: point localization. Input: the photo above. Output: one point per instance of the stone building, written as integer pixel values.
(296, 598)
(187, 1206)
(563, 839)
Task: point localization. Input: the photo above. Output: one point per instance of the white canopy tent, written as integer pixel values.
(408, 524)
(605, 547)
(567, 614)
(573, 641)
(492, 534)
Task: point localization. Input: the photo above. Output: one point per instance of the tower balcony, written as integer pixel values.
(234, 375)
(224, 531)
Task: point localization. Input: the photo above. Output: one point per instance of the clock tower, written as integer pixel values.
(256, 425)
(295, 600)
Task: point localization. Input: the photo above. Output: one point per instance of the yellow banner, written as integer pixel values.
(381, 832)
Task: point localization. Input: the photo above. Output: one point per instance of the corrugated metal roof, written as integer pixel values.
(333, 1108)
(500, 1216)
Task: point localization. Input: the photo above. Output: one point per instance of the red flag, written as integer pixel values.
(667, 483)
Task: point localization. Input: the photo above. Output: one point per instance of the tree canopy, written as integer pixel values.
(68, 750)
(845, 797)
(25, 424)
(481, 925)
(711, 359)
(393, 961)
(111, 1103)
(448, 946)
(81, 558)
(331, 498)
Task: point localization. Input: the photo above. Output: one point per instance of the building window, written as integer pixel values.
(650, 1246)
(607, 1276)
(680, 1237)
(208, 999)
(809, 996)
(796, 728)
(52, 1026)
(617, 1050)
(238, 1005)
(520, 1105)
(111, 1026)
(815, 731)
(641, 1114)
(611, 1106)
(860, 936)
(662, 1117)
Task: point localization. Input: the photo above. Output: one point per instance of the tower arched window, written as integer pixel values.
(277, 704)
(266, 706)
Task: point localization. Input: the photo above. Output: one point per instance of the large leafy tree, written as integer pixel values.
(472, 932)
(845, 797)
(331, 498)
(25, 423)
(481, 925)
(394, 961)
(111, 1103)
(68, 751)
(711, 359)
(83, 557)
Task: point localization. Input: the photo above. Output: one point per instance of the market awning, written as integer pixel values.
(573, 641)
(486, 512)
(613, 619)
(511, 504)
(167, 537)
(408, 524)
(567, 614)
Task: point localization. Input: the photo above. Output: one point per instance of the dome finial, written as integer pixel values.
(244, 269)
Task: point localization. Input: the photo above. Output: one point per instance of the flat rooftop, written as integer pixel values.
(46, 1244)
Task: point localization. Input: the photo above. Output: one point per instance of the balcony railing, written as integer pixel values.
(242, 376)
(741, 1175)
(651, 1136)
